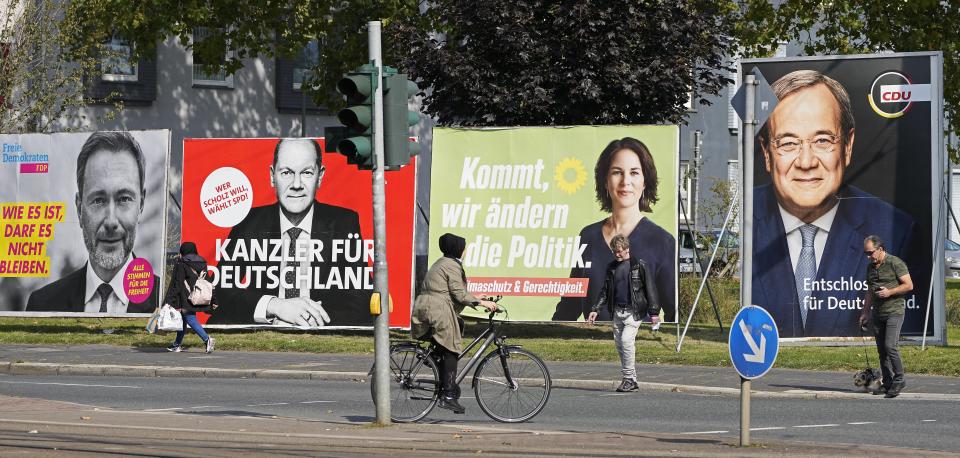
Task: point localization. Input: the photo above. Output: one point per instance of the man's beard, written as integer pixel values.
(108, 261)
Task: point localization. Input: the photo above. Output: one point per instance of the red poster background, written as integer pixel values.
(342, 185)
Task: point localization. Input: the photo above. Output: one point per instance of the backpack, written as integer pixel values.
(202, 291)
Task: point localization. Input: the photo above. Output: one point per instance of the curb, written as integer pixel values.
(23, 368)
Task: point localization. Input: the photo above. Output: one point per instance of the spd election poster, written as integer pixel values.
(287, 231)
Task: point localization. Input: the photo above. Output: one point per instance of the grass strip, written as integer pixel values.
(704, 344)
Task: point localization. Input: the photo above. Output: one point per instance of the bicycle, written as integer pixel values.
(511, 384)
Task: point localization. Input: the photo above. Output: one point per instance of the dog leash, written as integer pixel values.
(866, 356)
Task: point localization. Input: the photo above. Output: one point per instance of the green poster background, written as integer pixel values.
(544, 173)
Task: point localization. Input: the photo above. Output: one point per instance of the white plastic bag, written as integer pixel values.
(170, 319)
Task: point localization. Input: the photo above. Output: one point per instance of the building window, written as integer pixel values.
(733, 120)
(203, 73)
(307, 59)
(116, 61)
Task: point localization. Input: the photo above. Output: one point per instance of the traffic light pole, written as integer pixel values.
(381, 327)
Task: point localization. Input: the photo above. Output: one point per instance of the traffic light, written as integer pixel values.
(355, 140)
(397, 119)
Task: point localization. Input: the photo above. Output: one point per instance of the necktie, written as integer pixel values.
(104, 290)
(806, 267)
(293, 265)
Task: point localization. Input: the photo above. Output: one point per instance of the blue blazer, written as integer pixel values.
(859, 214)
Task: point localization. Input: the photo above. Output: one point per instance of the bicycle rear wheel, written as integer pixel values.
(414, 384)
(516, 398)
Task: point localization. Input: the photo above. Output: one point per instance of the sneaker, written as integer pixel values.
(627, 385)
(175, 348)
(210, 344)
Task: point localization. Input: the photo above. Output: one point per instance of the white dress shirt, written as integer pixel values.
(117, 301)
(791, 227)
(260, 312)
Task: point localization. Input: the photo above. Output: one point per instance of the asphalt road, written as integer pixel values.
(891, 422)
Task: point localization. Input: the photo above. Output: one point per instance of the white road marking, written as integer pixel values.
(315, 402)
(862, 423)
(70, 384)
(707, 432)
(204, 407)
(268, 404)
(816, 426)
(928, 420)
(769, 428)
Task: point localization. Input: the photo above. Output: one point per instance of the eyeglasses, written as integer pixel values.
(869, 253)
(820, 144)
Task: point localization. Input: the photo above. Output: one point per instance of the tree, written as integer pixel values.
(39, 82)
(851, 27)
(540, 62)
(248, 29)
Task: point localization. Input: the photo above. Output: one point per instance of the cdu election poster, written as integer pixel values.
(539, 205)
(287, 232)
(852, 149)
(82, 218)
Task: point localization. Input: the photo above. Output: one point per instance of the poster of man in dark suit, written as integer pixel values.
(308, 281)
(111, 191)
(811, 208)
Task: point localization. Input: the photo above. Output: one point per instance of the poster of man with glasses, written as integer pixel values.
(835, 162)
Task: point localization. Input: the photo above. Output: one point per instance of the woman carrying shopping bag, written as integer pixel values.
(188, 268)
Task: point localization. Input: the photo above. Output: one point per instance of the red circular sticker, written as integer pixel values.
(138, 280)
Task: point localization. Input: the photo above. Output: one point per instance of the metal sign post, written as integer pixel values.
(753, 343)
(381, 326)
(754, 102)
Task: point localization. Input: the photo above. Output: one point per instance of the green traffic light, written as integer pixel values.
(356, 88)
(357, 118)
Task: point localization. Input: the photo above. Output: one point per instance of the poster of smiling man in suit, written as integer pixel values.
(837, 160)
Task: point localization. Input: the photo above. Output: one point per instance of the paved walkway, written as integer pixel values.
(113, 360)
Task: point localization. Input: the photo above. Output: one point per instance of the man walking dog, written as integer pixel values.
(888, 281)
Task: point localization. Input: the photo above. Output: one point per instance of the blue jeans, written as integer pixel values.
(190, 319)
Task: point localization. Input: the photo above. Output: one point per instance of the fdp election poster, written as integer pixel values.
(287, 231)
(82, 222)
(852, 149)
(539, 205)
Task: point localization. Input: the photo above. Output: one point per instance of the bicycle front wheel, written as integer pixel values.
(414, 384)
(513, 386)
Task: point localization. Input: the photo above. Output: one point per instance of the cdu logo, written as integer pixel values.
(892, 93)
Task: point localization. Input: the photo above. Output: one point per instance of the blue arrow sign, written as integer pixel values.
(754, 342)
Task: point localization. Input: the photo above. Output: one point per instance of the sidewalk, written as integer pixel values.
(132, 361)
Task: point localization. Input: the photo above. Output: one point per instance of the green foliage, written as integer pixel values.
(39, 82)
(248, 29)
(538, 62)
(851, 27)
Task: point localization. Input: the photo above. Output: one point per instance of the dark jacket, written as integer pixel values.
(188, 269)
(859, 214)
(66, 295)
(347, 307)
(643, 290)
(649, 242)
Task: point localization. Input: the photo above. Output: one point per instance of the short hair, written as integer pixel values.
(113, 142)
(803, 79)
(619, 241)
(646, 163)
(875, 240)
(316, 148)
